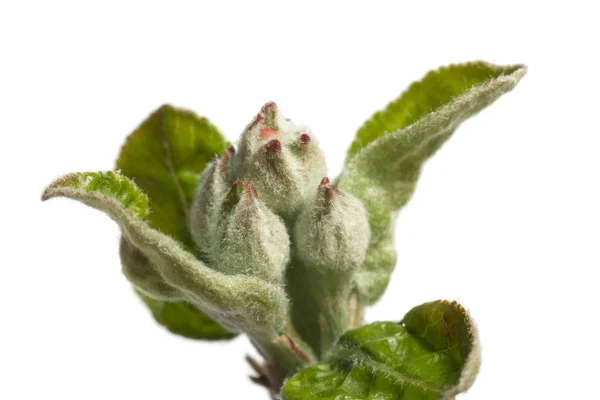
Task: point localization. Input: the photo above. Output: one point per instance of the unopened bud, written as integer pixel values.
(283, 161)
(252, 239)
(205, 210)
(332, 234)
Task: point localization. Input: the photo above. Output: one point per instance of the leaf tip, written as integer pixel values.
(52, 189)
(515, 72)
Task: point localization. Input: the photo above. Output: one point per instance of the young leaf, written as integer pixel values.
(435, 90)
(183, 319)
(384, 162)
(138, 269)
(165, 156)
(179, 317)
(239, 303)
(432, 354)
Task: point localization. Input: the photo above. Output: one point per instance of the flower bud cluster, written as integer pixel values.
(252, 198)
(235, 232)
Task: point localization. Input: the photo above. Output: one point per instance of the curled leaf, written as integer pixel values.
(167, 304)
(165, 156)
(432, 354)
(385, 160)
(239, 303)
(438, 88)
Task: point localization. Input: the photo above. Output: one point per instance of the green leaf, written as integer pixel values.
(435, 90)
(239, 303)
(183, 319)
(165, 156)
(384, 162)
(109, 186)
(432, 354)
(179, 317)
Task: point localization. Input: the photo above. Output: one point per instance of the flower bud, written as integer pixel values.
(283, 161)
(332, 234)
(252, 239)
(212, 188)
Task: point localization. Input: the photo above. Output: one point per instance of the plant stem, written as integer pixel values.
(320, 307)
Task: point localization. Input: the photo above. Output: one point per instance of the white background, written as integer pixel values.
(505, 218)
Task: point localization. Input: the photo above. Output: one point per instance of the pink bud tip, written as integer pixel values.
(304, 138)
(231, 149)
(328, 187)
(273, 146)
(224, 159)
(268, 106)
(253, 191)
(248, 190)
(243, 189)
(259, 117)
(267, 132)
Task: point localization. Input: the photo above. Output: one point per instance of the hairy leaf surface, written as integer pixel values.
(185, 320)
(385, 160)
(435, 90)
(165, 156)
(239, 303)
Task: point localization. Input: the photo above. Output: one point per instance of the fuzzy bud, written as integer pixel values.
(252, 239)
(283, 161)
(211, 191)
(332, 233)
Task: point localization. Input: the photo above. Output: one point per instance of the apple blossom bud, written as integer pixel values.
(252, 239)
(204, 214)
(283, 161)
(332, 233)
